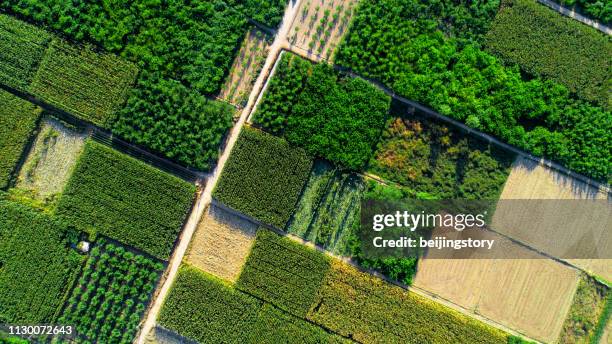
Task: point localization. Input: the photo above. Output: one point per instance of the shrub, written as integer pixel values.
(37, 265)
(331, 116)
(111, 268)
(458, 79)
(126, 199)
(555, 47)
(369, 310)
(283, 273)
(18, 119)
(22, 47)
(85, 83)
(171, 119)
(263, 177)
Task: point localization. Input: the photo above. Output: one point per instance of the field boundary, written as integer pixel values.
(577, 16)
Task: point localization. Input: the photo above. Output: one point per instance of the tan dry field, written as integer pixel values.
(555, 228)
(50, 161)
(530, 295)
(320, 24)
(246, 67)
(221, 243)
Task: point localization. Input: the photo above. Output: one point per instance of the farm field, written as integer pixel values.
(111, 295)
(221, 244)
(246, 67)
(116, 195)
(33, 247)
(263, 177)
(160, 335)
(50, 161)
(531, 181)
(18, 120)
(320, 25)
(532, 296)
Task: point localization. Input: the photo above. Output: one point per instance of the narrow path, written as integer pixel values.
(205, 197)
(577, 16)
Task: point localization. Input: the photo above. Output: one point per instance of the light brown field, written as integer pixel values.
(50, 161)
(246, 67)
(320, 24)
(531, 296)
(556, 228)
(221, 244)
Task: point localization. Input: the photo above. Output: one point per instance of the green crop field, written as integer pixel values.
(110, 298)
(116, 195)
(332, 116)
(455, 77)
(22, 47)
(544, 43)
(37, 265)
(263, 177)
(91, 85)
(18, 120)
(283, 273)
(206, 309)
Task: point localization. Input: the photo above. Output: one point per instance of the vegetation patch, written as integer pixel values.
(588, 314)
(111, 295)
(263, 177)
(22, 47)
(367, 309)
(205, 309)
(50, 161)
(126, 199)
(432, 158)
(18, 119)
(85, 83)
(596, 9)
(37, 265)
(457, 79)
(556, 47)
(267, 12)
(282, 272)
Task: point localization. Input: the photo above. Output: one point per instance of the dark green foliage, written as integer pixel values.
(331, 116)
(518, 340)
(110, 299)
(37, 265)
(544, 43)
(205, 309)
(263, 177)
(283, 272)
(429, 157)
(174, 120)
(600, 10)
(267, 12)
(21, 48)
(18, 120)
(282, 92)
(126, 199)
(461, 81)
(6, 338)
(90, 85)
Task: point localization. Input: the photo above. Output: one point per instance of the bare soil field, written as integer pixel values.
(50, 161)
(531, 295)
(246, 67)
(557, 228)
(221, 244)
(320, 25)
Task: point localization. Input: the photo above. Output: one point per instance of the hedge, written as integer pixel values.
(282, 272)
(369, 310)
(263, 177)
(205, 309)
(116, 195)
(37, 266)
(330, 115)
(22, 47)
(546, 44)
(18, 120)
(457, 79)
